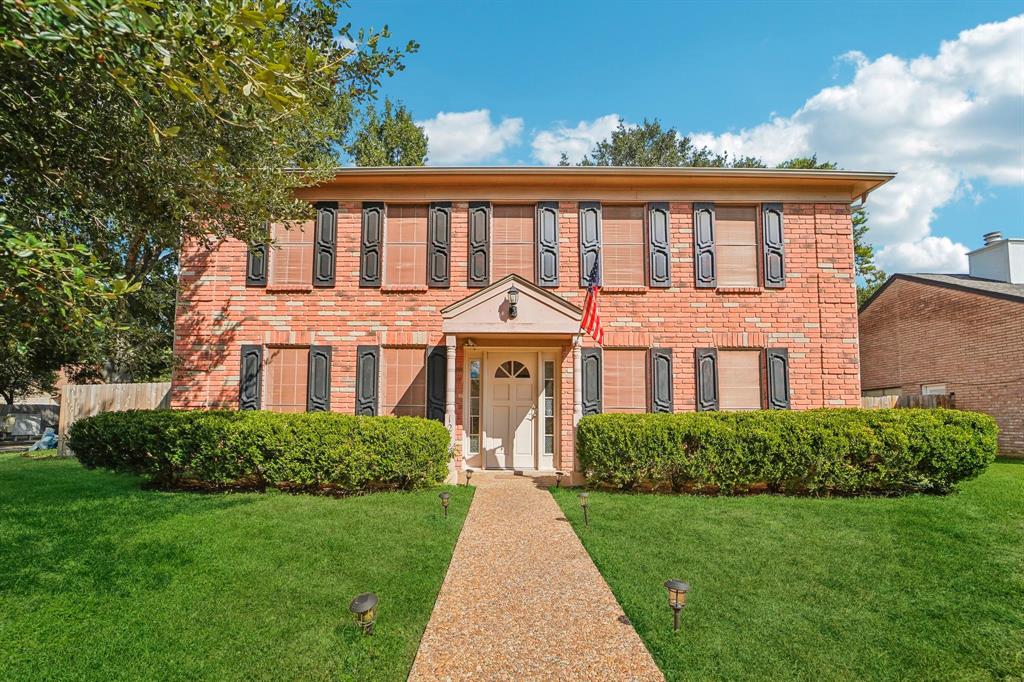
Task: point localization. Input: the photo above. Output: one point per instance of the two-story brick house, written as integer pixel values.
(456, 294)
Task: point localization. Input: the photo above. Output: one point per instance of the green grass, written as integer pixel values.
(102, 580)
(921, 587)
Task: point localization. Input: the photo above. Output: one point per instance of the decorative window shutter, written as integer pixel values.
(547, 244)
(590, 238)
(661, 379)
(439, 242)
(256, 263)
(660, 266)
(370, 244)
(367, 370)
(325, 243)
(774, 247)
(704, 245)
(591, 366)
(318, 386)
(479, 244)
(777, 370)
(437, 382)
(707, 379)
(249, 383)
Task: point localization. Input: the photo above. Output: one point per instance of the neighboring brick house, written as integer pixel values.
(722, 289)
(959, 334)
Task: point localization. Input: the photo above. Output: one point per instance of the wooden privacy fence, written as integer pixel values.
(85, 400)
(945, 400)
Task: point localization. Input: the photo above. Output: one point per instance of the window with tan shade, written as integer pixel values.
(622, 250)
(286, 372)
(291, 257)
(512, 249)
(405, 246)
(625, 381)
(404, 382)
(736, 246)
(739, 379)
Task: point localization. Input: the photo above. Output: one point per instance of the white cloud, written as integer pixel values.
(469, 136)
(548, 145)
(940, 121)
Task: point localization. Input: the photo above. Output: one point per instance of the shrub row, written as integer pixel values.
(845, 451)
(319, 450)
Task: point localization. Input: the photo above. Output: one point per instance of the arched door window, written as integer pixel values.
(512, 369)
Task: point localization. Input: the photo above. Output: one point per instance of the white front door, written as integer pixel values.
(510, 410)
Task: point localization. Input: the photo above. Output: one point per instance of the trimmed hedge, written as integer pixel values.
(845, 451)
(317, 450)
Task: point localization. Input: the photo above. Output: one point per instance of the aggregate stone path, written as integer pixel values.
(522, 599)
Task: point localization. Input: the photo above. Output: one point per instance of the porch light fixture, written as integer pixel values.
(558, 478)
(445, 498)
(585, 503)
(364, 609)
(677, 590)
(469, 475)
(513, 302)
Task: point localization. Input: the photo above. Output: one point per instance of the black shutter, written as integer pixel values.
(659, 268)
(774, 247)
(318, 387)
(249, 378)
(437, 382)
(704, 245)
(777, 369)
(325, 243)
(547, 244)
(439, 241)
(591, 366)
(371, 243)
(479, 244)
(367, 368)
(256, 263)
(590, 238)
(707, 379)
(661, 379)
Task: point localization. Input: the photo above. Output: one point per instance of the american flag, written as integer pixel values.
(591, 322)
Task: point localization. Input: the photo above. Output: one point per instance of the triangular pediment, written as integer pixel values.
(488, 311)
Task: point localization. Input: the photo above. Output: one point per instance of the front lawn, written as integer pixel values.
(102, 580)
(921, 587)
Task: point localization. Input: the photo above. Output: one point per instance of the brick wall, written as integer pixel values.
(814, 316)
(915, 333)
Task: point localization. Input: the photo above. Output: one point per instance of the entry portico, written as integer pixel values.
(516, 338)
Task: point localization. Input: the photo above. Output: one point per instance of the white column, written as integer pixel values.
(577, 381)
(449, 398)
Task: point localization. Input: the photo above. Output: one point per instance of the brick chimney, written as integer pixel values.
(1000, 259)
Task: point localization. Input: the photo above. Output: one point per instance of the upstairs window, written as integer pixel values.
(623, 252)
(625, 385)
(404, 382)
(405, 246)
(291, 259)
(512, 241)
(736, 246)
(287, 372)
(739, 379)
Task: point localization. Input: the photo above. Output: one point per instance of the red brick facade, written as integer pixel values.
(915, 333)
(814, 316)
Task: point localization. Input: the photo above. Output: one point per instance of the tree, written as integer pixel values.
(389, 139)
(129, 126)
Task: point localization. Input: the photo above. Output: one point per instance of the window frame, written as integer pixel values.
(604, 377)
(265, 382)
(645, 248)
(275, 247)
(758, 246)
(762, 378)
(382, 379)
(386, 285)
(532, 279)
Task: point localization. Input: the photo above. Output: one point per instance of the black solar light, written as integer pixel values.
(585, 503)
(469, 475)
(445, 499)
(513, 302)
(677, 590)
(558, 478)
(364, 608)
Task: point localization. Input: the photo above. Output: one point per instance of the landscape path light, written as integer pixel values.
(445, 499)
(677, 590)
(558, 478)
(469, 475)
(585, 503)
(364, 609)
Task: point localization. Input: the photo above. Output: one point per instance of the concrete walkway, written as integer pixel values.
(523, 600)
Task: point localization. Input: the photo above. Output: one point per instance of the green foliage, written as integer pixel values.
(648, 144)
(318, 451)
(870, 277)
(391, 138)
(846, 451)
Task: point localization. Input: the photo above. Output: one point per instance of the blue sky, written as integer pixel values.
(934, 91)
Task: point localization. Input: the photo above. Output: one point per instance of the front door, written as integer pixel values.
(509, 428)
